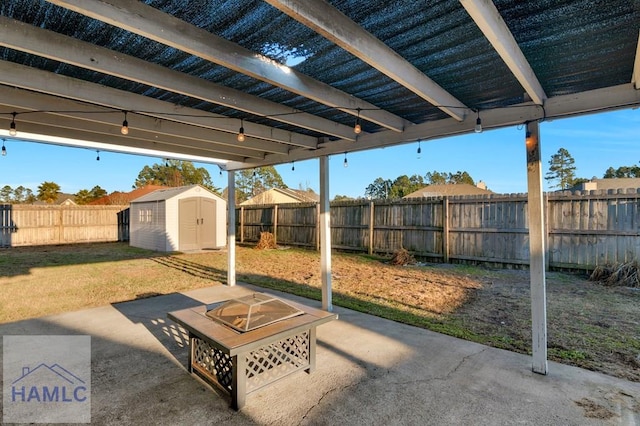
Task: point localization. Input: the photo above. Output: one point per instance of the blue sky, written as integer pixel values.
(496, 157)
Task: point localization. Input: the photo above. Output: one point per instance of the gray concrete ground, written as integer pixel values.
(370, 371)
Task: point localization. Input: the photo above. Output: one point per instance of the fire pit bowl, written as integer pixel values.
(251, 312)
(244, 344)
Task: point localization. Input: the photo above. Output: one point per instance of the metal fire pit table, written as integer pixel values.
(243, 362)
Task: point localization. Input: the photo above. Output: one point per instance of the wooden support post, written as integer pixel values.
(371, 227)
(536, 249)
(231, 229)
(318, 227)
(325, 235)
(242, 224)
(445, 229)
(275, 224)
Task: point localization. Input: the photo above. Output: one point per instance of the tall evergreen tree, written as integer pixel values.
(378, 189)
(562, 170)
(251, 182)
(174, 173)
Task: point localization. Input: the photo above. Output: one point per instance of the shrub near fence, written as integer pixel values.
(28, 225)
(583, 230)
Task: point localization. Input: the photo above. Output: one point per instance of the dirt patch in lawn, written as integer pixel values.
(589, 325)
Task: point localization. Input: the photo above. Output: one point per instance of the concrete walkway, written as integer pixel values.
(370, 371)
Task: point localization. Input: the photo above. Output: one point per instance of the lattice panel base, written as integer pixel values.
(264, 365)
(273, 361)
(212, 363)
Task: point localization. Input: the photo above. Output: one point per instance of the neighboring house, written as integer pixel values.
(450, 189)
(282, 196)
(607, 184)
(124, 198)
(62, 200)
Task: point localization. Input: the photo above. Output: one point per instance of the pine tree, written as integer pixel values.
(562, 170)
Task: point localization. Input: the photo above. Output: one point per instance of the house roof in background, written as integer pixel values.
(297, 75)
(291, 195)
(299, 194)
(123, 198)
(449, 190)
(607, 184)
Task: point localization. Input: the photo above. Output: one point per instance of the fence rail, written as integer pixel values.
(28, 225)
(583, 230)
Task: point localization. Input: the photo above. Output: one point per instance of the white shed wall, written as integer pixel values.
(147, 225)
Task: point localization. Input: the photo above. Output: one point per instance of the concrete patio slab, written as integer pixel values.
(369, 371)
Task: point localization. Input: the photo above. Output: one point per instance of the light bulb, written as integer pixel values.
(293, 166)
(241, 135)
(98, 157)
(357, 128)
(4, 150)
(12, 126)
(529, 140)
(345, 163)
(125, 125)
(478, 128)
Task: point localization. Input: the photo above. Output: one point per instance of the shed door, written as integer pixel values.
(188, 224)
(197, 218)
(207, 223)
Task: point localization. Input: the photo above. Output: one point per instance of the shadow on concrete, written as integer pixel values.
(134, 381)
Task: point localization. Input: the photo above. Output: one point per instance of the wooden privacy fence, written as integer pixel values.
(28, 225)
(583, 230)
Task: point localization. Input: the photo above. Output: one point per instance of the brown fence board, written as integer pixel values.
(584, 230)
(27, 225)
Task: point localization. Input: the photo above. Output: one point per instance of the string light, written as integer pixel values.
(357, 128)
(345, 163)
(4, 150)
(241, 131)
(478, 128)
(529, 140)
(98, 157)
(12, 126)
(125, 125)
(293, 166)
(419, 150)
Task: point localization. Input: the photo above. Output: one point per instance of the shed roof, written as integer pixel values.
(297, 75)
(168, 193)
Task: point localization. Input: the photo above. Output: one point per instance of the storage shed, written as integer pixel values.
(178, 219)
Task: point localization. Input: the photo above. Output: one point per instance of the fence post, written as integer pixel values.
(242, 224)
(445, 229)
(275, 224)
(371, 227)
(318, 227)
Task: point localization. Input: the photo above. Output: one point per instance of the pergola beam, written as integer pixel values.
(334, 25)
(86, 116)
(488, 19)
(48, 44)
(115, 143)
(110, 130)
(611, 98)
(139, 18)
